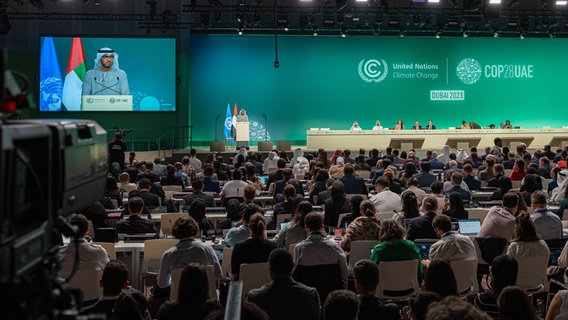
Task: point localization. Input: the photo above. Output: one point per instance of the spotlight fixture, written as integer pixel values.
(438, 34)
(240, 31)
(465, 34)
(97, 2)
(494, 1)
(315, 31)
(522, 35)
(561, 2)
(343, 32)
(402, 33)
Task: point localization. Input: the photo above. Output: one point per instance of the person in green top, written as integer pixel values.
(393, 246)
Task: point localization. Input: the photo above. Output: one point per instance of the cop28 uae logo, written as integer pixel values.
(373, 70)
(469, 71)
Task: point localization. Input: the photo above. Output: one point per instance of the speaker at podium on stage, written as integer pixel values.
(242, 129)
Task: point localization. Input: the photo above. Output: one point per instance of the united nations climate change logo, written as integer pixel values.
(373, 70)
(469, 71)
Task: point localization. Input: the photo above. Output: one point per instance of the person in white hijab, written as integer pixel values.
(557, 194)
(444, 157)
(243, 152)
(297, 153)
(270, 163)
(461, 156)
(302, 167)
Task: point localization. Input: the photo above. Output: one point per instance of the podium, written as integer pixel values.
(106, 103)
(242, 128)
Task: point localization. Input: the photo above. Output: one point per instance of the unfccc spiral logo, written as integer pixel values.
(469, 71)
(373, 70)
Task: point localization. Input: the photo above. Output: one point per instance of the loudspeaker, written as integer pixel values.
(283, 146)
(265, 146)
(216, 146)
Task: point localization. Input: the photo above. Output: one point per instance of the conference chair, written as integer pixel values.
(176, 276)
(516, 184)
(109, 247)
(565, 219)
(561, 317)
(398, 280)
(465, 272)
(87, 280)
(254, 275)
(226, 262)
(477, 214)
(153, 250)
(167, 221)
(384, 215)
(170, 190)
(532, 274)
(365, 174)
(360, 249)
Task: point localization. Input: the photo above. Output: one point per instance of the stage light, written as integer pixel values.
(97, 2)
(494, 1)
(402, 33)
(561, 2)
(343, 32)
(438, 34)
(465, 34)
(433, 1)
(315, 31)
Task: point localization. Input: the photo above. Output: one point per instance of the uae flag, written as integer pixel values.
(234, 123)
(76, 70)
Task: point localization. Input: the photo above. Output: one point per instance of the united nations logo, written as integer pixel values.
(469, 71)
(228, 123)
(373, 70)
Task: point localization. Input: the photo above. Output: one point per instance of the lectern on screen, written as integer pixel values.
(242, 128)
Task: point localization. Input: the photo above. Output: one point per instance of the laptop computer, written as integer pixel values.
(469, 227)
(424, 249)
(283, 224)
(263, 179)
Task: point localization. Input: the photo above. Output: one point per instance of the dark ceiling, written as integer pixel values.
(383, 17)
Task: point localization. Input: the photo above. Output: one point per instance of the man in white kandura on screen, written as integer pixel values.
(106, 78)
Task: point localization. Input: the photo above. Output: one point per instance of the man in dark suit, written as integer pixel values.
(456, 180)
(197, 186)
(497, 173)
(469, 179)
(430, 126)
(353, 183)
(421, 227)
(284, 298)
(509, 163)
(425, 178)
(135, 223)
(544, 167)
(326, 194)
(113, 280)
(150, 199)
(372, 161)
(210, 184)
(435, 164)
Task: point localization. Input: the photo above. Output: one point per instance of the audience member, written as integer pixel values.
(366, 274)
(322, 196)
(135, 223)
(527, 243)
(192, 302)
(500, 221)
(425, 178)
(317, 249)
(171, 179)
(354, 184)
(233, 189)
(558, 305)
(288, 206)
(409, 207)
(421, 227)
(197, 186)
(503, 273)
(412, 186)
(454, 308)
(294, 231)
(125, 185)
(365, 227)
(469, 178)
(341, 305)
(452, 246)
(113, 281)
(454, 208)
(284, 298)
(514, 304)
(188, 250)
(440, 278)
(456, 181)
(197, 211)
(240, 232)
(336, 205)
(548, 225)
(504, 185)
(92, 257)
(385, 200)
(518, 172)
(418, 304)
(254, 249)
(393, 246)
(498, 171)
(151, 200)
(131, 305)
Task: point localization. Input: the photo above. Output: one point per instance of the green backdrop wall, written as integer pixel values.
(331, 82)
